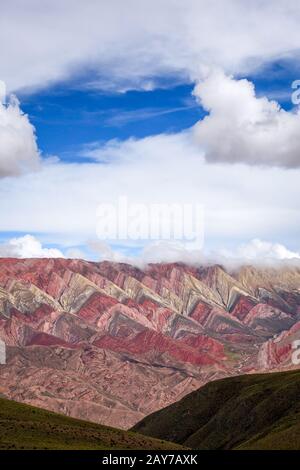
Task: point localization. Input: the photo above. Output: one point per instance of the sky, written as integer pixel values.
(188, 103)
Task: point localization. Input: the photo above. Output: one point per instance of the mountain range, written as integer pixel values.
(111, 343)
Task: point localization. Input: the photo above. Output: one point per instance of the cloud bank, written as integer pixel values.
(27, 247)
(259, 250)
(129, 44)
(114, 50)
(240, 202)
(18, 148)
(256, 252)
(243, 128)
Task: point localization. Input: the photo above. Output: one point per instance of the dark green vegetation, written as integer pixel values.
(27, 427)
(260, 411)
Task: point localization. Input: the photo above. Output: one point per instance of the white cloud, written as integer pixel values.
(122, 118)
(153, 252)
(169, 252)
(256, 252)
(171, 38)
(239, 127)
(75, 253)
(27, 247)
(260, 250)
(18, 148)
(243, 128)
(129, 43)
(240, 202)
(106, 252)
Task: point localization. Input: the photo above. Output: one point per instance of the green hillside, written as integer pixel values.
(246, 412)
(26, 427)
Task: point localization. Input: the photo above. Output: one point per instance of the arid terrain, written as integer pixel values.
(112, 343)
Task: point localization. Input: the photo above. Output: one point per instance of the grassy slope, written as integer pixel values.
(259, 411)
(26, 427)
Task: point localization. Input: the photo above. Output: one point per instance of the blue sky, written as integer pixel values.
(149, 103)
(67, 116)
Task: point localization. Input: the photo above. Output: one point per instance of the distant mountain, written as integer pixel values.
(245, 412)
(26, 427)
(110, 343)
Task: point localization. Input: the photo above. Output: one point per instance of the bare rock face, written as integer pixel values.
(111, 343)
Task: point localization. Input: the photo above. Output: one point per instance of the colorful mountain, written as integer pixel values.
(110, 343)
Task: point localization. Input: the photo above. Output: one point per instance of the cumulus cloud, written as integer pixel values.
(75, 253)
(256, 251)
(239, 202)
(188, 40)
(243, 128)
(18, 148)
(105, 252)
(260, 250)
(153, 252)
(239, 127)
(27, 247)
(169, 252)
(128, 44)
